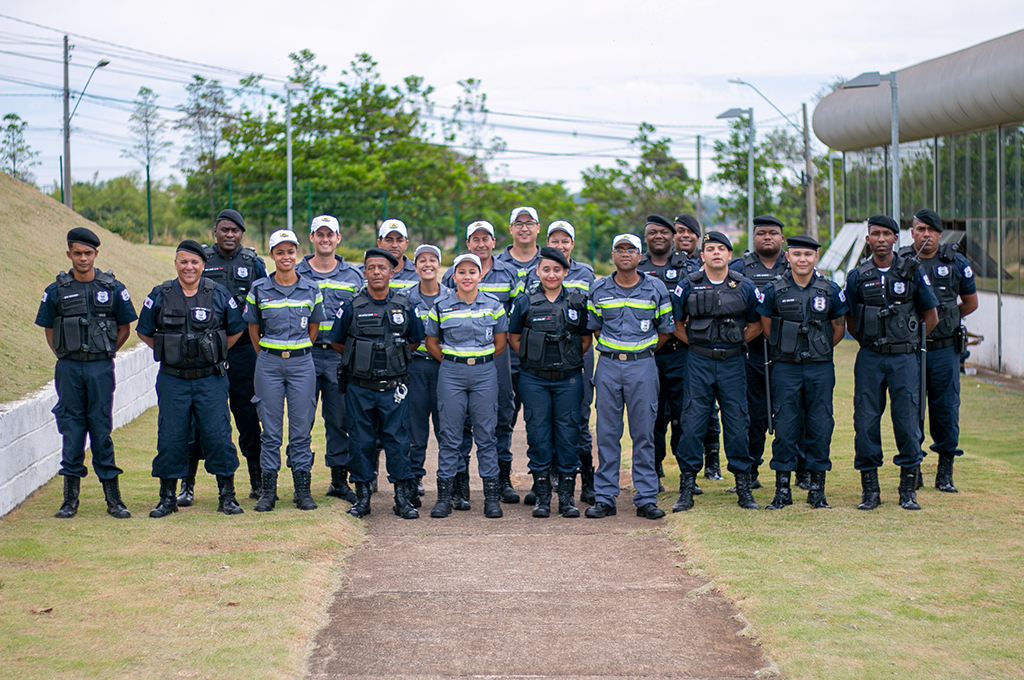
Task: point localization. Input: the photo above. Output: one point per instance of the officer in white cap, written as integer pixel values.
(393, 236)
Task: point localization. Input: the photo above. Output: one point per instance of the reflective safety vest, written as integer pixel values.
(945, 277)
(85, 315)
(885, 319)
(552, 329)
(377, 346)
(236, 274)
(189, 331)
(717, 313)
(801, 331)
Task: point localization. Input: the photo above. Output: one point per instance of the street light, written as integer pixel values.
(739, 113)
(67, 121)
(288, 89)
(874, 79)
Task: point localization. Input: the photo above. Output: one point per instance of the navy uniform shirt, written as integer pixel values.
(286, 311)
(839, 306)
(924, 296)
(501, 281)
(338, 285)
(223, 304)
(672, 272)
(339, 332)
(629, 318)
(123, 310)
(681, 295)
(464, 329)
(259, 268)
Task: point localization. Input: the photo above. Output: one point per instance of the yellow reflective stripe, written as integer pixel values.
(249, 297)
(402, 284)
(477, 352)
(319, 299)
(592, 309)
(470, 314)
(635, 304)
(326, 325)
(432, 314)
(283, 346)
(291, 303)
(664, 309)
(337, 285)
(634, 347)
(582, 285)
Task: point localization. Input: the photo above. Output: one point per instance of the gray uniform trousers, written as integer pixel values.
(332, 405)
(277, 379)
(506, 405)
(633, 385)
(462, 391)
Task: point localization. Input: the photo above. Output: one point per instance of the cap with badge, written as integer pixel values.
(84, 236)
(282, 236)
(631, 239)
(392, 226)
(555, 255)
(768, 221)
(380, 252)
(660, 221)
(690, 222)
(884, 221)
(467, 256)
(190, 246)
(324, 221)
(929, 217)
(802, 241)
(231, 216)
(426, 248)
(477, 226)
(716, 237)
(562, 225)
(524, 209)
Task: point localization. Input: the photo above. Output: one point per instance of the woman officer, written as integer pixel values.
(548, 328)
(284, 311)
(466, 330)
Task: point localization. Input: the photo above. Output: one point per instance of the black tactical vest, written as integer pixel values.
(553, 329)
(945, 277)
(236, 274)
(85, 315)
(717, 313)
(801, 329)
(671, 273)
(377, 347)
(755, 270)
(885, 319)
(188, 329)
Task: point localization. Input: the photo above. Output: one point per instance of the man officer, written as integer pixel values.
(393, 237)
(953, 282)
(87, 316)
(889, 298)
(802, 317)
(687, 237)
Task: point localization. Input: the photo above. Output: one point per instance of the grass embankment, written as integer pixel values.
(197, 594)
(844, 593)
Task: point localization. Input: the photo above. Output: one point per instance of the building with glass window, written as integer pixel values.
(961, 125)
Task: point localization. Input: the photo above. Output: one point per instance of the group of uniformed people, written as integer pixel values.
(684, 334)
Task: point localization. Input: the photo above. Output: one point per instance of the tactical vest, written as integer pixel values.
(801, 330)
(671, 273)
(945, 277)
(553, 325)
(236, 274)
(189, 333)
(85, 315)
(377, 346)
(755, 270)
(717, 313)
(885, 319)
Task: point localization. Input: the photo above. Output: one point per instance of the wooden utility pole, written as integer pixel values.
(812, 198)
(67, 132)
(700, 186)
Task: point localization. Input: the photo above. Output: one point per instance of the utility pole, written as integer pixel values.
(700, 186)
(812, 198)
(67, 132)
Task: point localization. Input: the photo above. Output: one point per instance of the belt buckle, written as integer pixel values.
(286, 355)
(623, 357)
(471, 361)
(718, 354)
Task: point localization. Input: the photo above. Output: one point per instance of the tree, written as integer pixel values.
(469, 117)
(15, 153)
(147, 127)
(205, 117)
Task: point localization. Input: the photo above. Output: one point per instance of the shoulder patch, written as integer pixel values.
(842, 295)
(125, 295)
(232, 304)
(148, 302)
(925, 277)
(45, 296)
(759, 294)
(678, 290)
(968, 272)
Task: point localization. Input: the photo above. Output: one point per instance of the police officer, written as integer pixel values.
(466, 330)
(284, 311)
(373, 333)
(87, 316)
(393, 236)
(338, 282)
(191, 322)
(716, 313)
(548, 328)
(235, 267)
(687, 237)
(631, 315)
(502, 281)
(761, 266)
(953, 283)
(889, 298)
(802, 316)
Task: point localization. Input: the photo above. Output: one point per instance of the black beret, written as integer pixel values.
(554, 254)
(660, 221)
(768, 221)
(802, 241)
(233, 216)
(192, 247)
(929, 217)
(690, 222)
(884, 221)
(716, 237)
(380, 252)
(83, 236)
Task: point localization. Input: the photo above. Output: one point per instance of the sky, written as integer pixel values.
(596, 68)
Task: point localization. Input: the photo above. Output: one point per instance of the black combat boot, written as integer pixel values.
(542, 484)
(492, 495)
(920, 479)
(405, 489)
(600, 510)
(944, 474)
(712, 465)
(783, 494)
(72, 487)
(531, 496)
(339, 487)
(659, 468)
(587, 484)
(871, 495)
(361, 508)
(566, 489)
(687, 480)
(268, 492)
(755, 482)
(420, 491)
(168, 499)
(908, 488)
(188, 485)
(443, 506)
(506, 492)
(115, 506)
(226, 501)
(744, 497)
(255, 477)
(816, 494)
(803, 475)
(303, 497)
(460, 491)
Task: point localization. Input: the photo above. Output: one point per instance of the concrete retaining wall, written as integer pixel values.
(30, 446)
(985, 322)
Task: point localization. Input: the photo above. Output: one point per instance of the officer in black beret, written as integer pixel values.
(687, 236)
(87, 316)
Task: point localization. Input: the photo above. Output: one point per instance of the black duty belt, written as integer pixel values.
(188, 373)
(551, 375)
(469, 361)
(671, 346)
(424, 358)
(628, 356)
(933, 345)
(288, 353)
(87, 356)
(897, 348)
(377, 385)
(322, 345)
(718, 354)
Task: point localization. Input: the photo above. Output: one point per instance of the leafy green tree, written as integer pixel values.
(16, 155)
(205, 117)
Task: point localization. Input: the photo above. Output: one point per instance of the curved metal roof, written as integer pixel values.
(973, 89)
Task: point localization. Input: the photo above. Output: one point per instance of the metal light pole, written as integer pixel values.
(288, 89)
(739, 113)
(874, 79)
(831, 198)
(67, 120)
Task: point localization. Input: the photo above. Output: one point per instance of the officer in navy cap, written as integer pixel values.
(953, 282)
(715, 312)
(890, 299)
(86, 315)
(374, 333)
(802, 317)
(191, 322)
(687, 236)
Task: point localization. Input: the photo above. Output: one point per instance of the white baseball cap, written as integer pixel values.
(630, 238)
(562, 225)
(477, 226)
(523, 209)
(467, 256)
(392, 225)
(282, 235)
(324, 221)
(426, 248)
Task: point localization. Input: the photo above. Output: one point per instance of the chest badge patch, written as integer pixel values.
(200, 314)
(942, 271)
(103, 296)
(732, 284)
(572, 314)
(899, 287)
(242, 272)
(305, 322)
(645, 325)
(671, 273)
(819, 304)
(398, 317)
